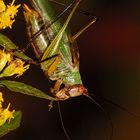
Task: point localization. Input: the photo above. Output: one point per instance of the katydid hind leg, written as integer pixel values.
(74, 37)
(81, 11)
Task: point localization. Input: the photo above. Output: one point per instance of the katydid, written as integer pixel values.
(56, 40)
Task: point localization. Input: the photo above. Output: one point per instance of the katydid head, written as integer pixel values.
(77, 90)
(72, 91)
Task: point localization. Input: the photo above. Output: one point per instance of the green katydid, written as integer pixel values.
(64, 68)
(12, 51)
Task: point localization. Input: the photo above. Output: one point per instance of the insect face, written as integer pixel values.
(73, 91)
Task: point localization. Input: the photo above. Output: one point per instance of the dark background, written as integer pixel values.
(110, 68)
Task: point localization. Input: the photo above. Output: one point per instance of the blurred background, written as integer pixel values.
(110, 68)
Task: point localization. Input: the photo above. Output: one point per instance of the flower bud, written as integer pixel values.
(5, 113)
(4, 58)
(15, 67)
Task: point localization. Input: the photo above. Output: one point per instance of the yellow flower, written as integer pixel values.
(5, 113)
(7, 13)
(14, 67)
(2, 6)
(4, 58)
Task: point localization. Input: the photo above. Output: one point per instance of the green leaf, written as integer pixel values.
(25, 89)
(7, 44)
(14, 123)
(21, 55)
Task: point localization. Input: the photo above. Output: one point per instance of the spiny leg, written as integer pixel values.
(53, 56)
(54, 90)
(74, 47)
(81, 11)
(36, 62)
(56, 87)
(73, 38)
(58, 83)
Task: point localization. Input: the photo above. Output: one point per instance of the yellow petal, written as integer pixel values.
(7, 14)
(2, 6)
(4, 59)
(5, 113)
